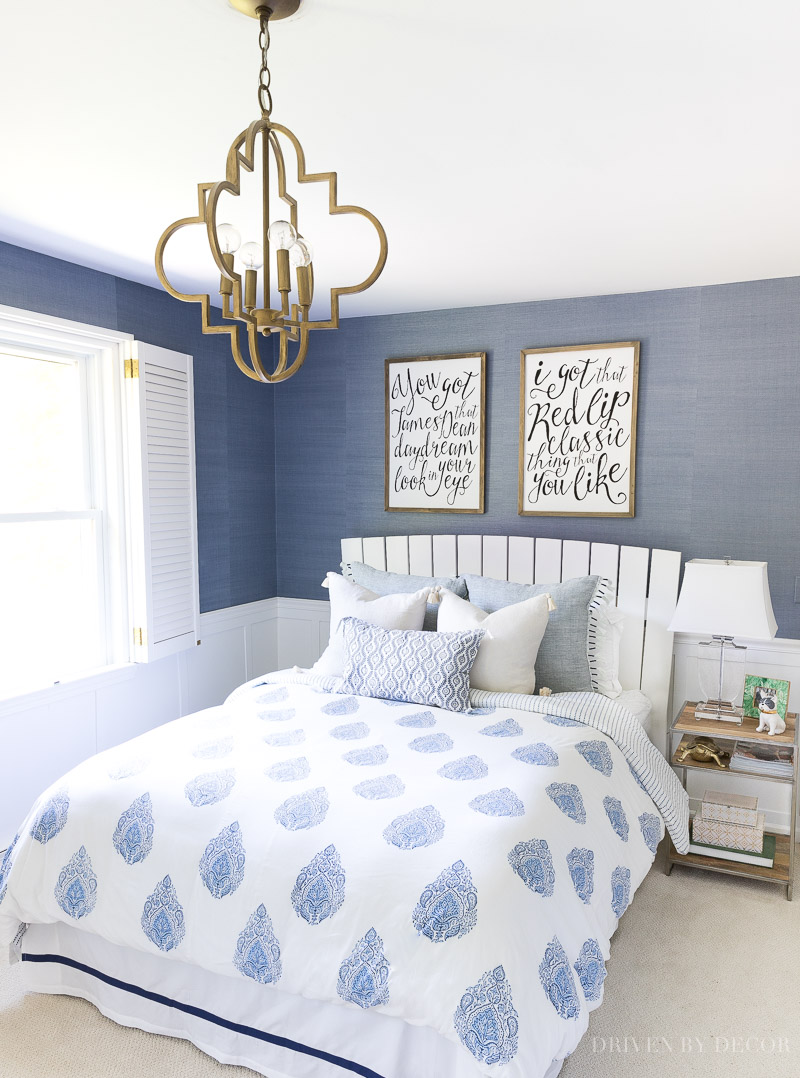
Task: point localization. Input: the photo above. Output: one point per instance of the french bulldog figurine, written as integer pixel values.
(767, 704)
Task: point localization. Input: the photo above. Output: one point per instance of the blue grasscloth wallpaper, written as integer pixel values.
(284, 472)
(718, 448)
(233, 415)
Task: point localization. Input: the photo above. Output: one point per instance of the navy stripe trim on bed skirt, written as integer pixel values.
(196, 1012)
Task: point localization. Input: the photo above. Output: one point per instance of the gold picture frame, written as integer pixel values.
(435, 403)
(586, 413)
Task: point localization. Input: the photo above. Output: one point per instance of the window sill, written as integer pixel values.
(77, 686)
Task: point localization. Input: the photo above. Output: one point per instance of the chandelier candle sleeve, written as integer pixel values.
(283, 247)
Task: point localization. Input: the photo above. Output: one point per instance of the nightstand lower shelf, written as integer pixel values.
(779, 873)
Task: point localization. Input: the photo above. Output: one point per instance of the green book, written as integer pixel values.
(765, 859)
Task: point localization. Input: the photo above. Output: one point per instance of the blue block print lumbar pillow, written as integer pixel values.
(415, 666)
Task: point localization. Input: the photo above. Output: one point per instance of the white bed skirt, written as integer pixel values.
(235, 1021)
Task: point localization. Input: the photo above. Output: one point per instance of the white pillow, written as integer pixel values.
(507, 654)
(349, 600)
(609, 624)
(638, 704)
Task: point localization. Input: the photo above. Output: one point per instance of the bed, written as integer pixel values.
(312, 882)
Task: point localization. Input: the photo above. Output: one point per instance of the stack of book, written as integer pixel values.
(730, 827)
(758, 759)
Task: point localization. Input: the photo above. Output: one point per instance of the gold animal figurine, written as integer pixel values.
(704, 749)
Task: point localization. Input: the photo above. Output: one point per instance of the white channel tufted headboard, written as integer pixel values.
(645, 582)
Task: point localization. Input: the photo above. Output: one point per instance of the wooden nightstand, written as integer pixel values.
(727, 733)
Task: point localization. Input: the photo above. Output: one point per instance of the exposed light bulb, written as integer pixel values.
(252, 256)
(229, 238)
(301, 253)
(282, 235)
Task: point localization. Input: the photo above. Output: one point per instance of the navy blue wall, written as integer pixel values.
(233, 415)
(718, 453)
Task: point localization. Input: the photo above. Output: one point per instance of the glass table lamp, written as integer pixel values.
(723, 599)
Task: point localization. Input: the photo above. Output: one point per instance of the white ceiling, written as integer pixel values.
(513, 150)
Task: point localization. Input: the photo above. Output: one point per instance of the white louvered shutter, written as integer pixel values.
(162, 506)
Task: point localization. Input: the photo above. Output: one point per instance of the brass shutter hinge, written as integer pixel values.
(131, 368)
(139, 637)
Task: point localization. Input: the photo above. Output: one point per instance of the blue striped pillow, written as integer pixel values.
(411, 665)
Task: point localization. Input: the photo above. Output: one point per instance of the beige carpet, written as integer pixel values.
(703, 982)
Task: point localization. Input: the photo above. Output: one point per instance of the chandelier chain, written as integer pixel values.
(264, 77)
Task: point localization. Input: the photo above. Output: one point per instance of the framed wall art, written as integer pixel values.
(577, 430)
(435, 426)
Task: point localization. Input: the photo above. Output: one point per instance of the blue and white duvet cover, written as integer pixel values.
(459, 871)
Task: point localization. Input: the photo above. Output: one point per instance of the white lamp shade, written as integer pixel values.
(725, 598)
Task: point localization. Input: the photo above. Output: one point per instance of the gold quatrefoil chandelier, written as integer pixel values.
(283, 250)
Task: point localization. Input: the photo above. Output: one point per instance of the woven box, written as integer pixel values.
(735, 835)
(730, 808)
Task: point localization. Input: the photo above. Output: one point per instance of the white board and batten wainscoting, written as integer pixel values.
(45, 733)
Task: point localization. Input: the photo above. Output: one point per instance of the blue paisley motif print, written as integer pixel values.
(350, 731)
(558, 982)
(395, 703)
(596, 753)
(304, 810)
(498, 803)
(591, 970)
(506, 728)
(223, 861)
(258, 954)
(212, 750)
(568, 798)
(52, 818)
(421, 721)
(162, 919)
(289, 770)
(651, 831)
(485, 1019)
(211, 788)
(133, 837)
(364, 974)
(561, 720)
(581, 870)
(274, 696)
(616, 816)
(285, 737)
(448, 907)
(482, 710)
(346, 705)
(76, 889)
(420, 827)
(319, 889)
(283, 714)
(541, 754)
(374, 754)
(465, 769)
(533, 863)
(5, 867)
(378, 789)
(620, 889)
(431, 743)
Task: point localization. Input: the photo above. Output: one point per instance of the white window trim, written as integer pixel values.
(109, 349)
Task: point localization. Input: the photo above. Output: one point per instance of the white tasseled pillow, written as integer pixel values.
(349, 600)
(507, 654)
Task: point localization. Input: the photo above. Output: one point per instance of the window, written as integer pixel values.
(98, 561)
